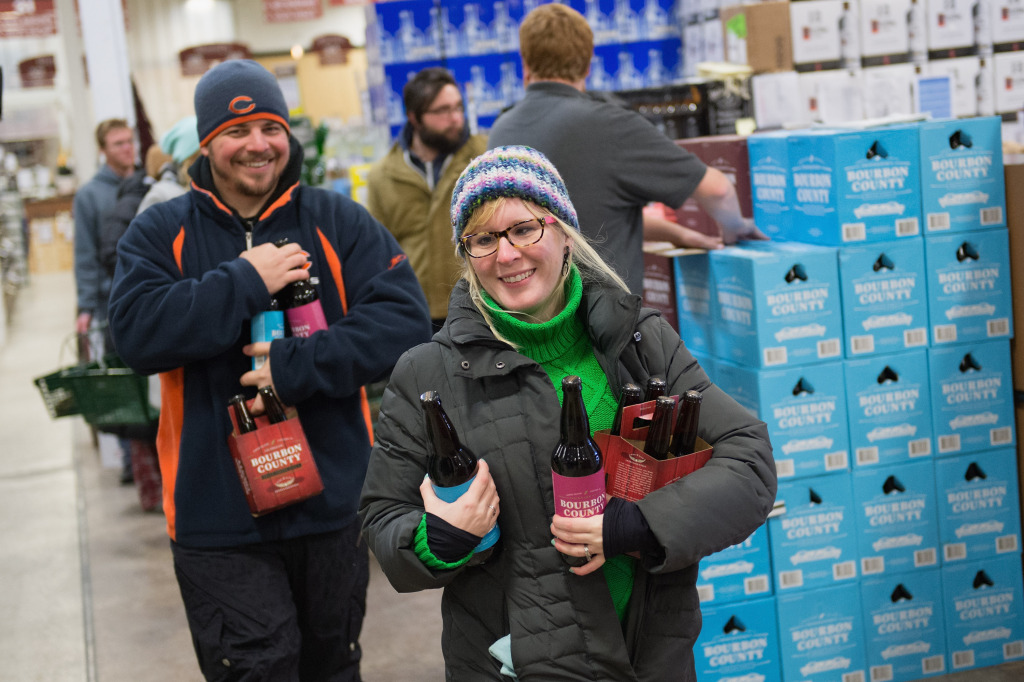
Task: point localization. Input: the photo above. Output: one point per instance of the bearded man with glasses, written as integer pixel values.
(410, 189)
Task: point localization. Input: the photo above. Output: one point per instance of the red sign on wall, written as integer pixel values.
(27, 18)
(333, 49)
(278, 11)
(195, 61)
(38, 72)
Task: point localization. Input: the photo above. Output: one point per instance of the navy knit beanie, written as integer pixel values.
(513, 172)
(234, 92)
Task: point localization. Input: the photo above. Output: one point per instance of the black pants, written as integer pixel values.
(284, 611)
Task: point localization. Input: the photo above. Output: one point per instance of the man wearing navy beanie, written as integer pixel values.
(279, 595)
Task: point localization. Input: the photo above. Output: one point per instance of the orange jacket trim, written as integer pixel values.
(334, 264)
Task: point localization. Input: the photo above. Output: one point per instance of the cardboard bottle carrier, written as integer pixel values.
(275, 464)
(630, 473)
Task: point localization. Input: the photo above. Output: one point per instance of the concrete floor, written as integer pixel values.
(88, 590)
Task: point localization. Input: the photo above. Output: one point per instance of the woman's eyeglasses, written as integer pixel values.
(522, 234)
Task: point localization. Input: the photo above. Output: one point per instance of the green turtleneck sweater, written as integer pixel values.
(562, 347)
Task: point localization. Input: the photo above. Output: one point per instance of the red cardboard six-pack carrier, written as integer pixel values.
(274, 463)
(630, 473)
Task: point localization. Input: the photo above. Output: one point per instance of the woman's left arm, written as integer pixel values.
(726, 500)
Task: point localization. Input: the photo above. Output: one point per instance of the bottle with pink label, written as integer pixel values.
(577, 473)
(304, 313)
(301, 302)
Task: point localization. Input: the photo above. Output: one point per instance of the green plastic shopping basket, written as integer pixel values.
(107, 393)
(57, 393)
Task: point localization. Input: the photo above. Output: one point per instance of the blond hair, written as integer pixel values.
(591, 266)
(556, 43)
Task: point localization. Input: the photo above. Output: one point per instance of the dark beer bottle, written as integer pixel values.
(656, 387)
(272, 406)
(451, 465)
(684, 437)
(659, 433)
(242, 414)
(631, 395)
(301, 303)
(303, 312)
(577, 475)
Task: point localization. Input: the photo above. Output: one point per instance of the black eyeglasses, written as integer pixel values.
(449, 110)
(522, 234)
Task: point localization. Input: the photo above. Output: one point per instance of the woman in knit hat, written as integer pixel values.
(536, 304)
(181, 144)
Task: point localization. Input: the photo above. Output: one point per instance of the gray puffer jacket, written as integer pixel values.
(506, 410)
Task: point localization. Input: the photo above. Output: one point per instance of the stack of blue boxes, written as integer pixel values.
(636, 45)
(872, 336)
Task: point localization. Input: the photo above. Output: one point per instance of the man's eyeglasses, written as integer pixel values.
(446, 111)
(522, 234)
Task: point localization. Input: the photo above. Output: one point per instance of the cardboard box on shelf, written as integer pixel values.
(889, 403)
(814, 542)
(884, 31)
(775, 303)
(739, 641)
(1019, 414)
(821, 634)
(972, 396)
(659, 285)
(885, 304)
(737, 573)
(979, 505)
(1013, 167)
(766, 48)
(984, 605)
(962, 177)
(897, 518)
(969, 295)
(805, 410)
(904, 625)
(817, 34)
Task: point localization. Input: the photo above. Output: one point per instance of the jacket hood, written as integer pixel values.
(202, 175)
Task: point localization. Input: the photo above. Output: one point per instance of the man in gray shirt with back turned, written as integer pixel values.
(613, 160)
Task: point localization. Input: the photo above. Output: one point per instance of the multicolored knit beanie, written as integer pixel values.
(514, 172)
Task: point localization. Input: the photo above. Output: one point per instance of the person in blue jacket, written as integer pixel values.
(279, 596)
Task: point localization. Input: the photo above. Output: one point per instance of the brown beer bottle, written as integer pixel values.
(452, 466)
(684, 438)
(242, 414)
(659, 433)
(577, 473)
(656, 387)
(631, 395)
(272, 406)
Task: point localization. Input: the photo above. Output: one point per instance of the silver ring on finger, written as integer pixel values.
(493, 510)
(586, 551)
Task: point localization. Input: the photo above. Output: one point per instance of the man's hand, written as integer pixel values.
(82, 322)
(664, 230)
(258, 377)
(278, 266)
(717, 196)
(745, 230)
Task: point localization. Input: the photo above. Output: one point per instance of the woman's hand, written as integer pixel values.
(476, 511)
(580, 537)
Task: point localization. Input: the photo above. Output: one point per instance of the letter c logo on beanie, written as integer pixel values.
(238, 105)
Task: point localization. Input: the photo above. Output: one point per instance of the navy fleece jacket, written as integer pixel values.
(181, 305)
